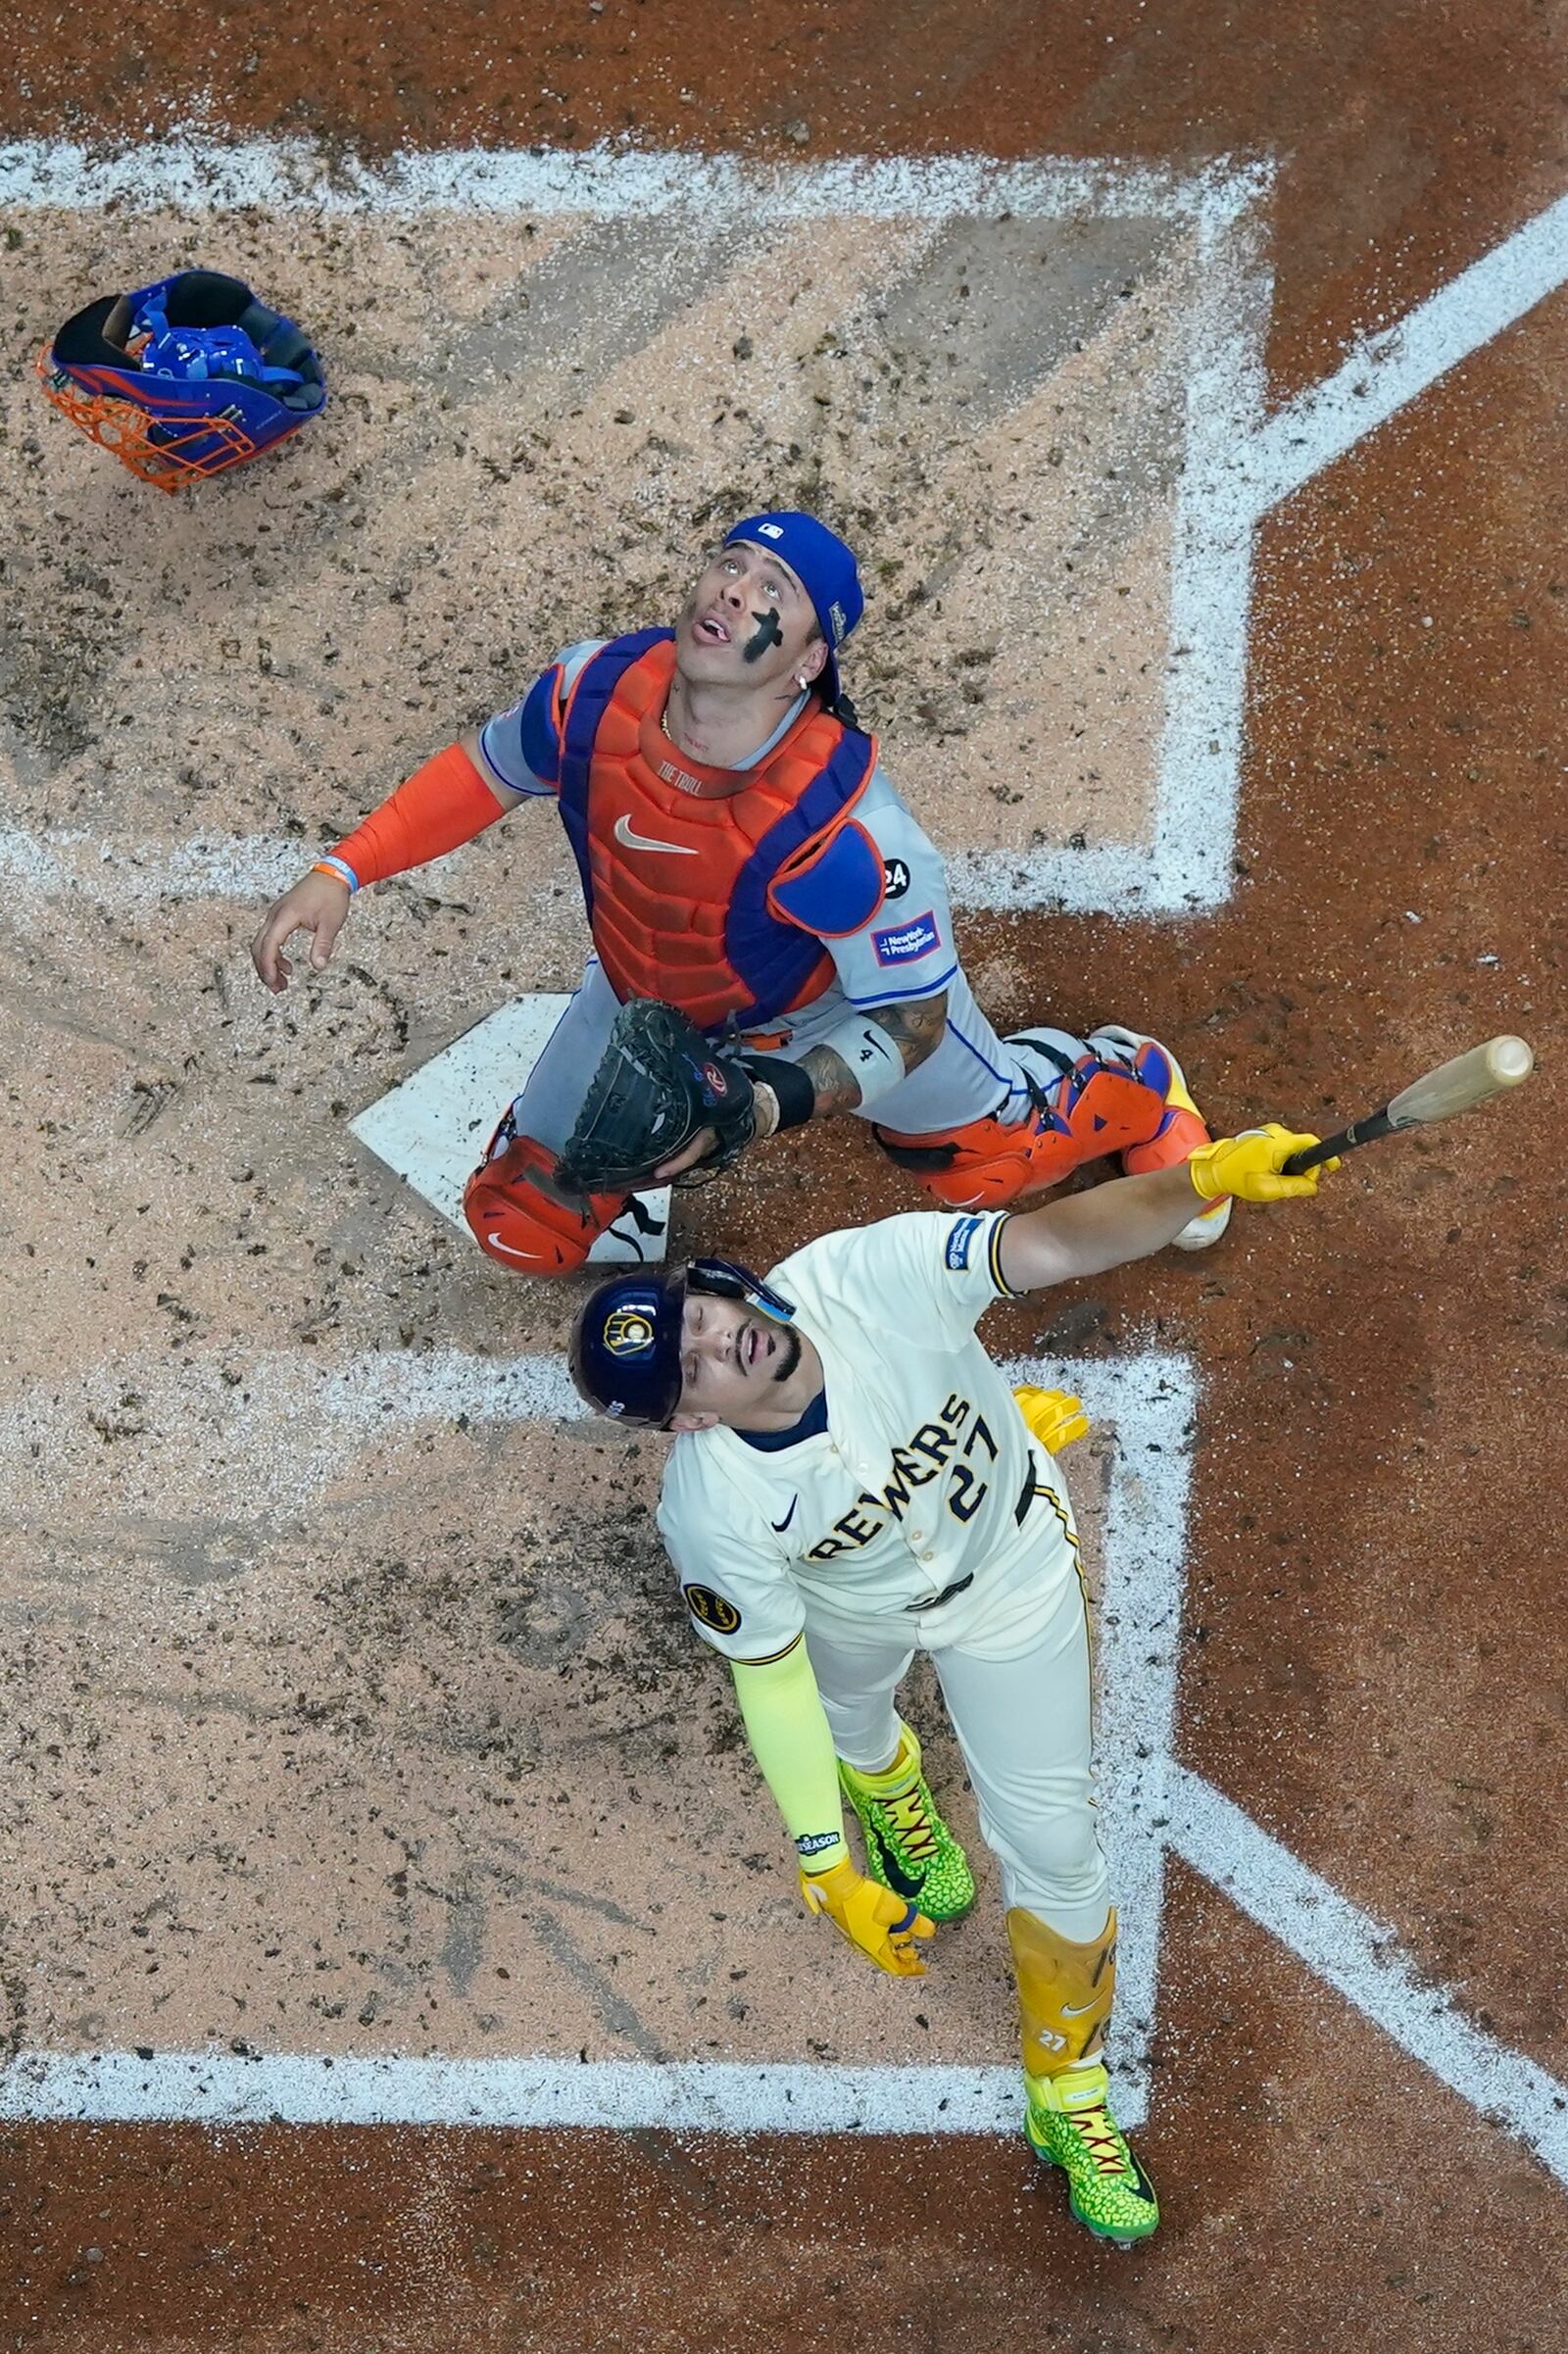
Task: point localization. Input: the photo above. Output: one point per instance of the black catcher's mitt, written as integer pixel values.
(659, 1084)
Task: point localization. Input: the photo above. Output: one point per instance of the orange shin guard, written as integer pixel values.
(519, 1218)
(1095, 1108)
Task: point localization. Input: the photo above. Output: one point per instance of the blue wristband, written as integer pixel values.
(341, 868)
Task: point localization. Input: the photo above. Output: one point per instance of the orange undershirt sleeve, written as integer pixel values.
(442, 805)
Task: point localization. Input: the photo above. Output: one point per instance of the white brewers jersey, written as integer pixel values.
(924, 1504)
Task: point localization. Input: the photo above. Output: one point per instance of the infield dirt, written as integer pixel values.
(381, 1741)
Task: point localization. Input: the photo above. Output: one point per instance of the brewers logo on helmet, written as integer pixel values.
(628, 1332)
(183, 378)
(625, 1344)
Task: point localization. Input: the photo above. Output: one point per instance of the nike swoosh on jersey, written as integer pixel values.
(627, 833)
(780, 1525)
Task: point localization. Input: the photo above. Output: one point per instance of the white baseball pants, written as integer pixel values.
(1025, 1729)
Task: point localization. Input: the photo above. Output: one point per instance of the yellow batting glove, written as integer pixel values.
(880, 1924)
(1055, 1418)
(1248, 1166)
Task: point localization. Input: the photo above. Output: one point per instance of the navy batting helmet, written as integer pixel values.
(624, 1351)
(184, 377)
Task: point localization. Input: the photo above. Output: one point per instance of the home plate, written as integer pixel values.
(432, 1129)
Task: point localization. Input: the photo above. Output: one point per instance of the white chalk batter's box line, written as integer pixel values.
(614, 180)
(1151, 1806)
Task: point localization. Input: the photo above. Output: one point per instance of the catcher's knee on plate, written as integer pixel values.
(520, 1218)
(1093, 1109)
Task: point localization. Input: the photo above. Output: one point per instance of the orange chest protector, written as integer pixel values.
(689, 892)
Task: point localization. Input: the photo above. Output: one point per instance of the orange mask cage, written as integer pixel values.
(125, 432)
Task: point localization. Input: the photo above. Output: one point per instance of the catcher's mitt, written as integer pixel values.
(659, 1084)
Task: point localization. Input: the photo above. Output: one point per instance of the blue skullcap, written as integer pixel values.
(821, 563)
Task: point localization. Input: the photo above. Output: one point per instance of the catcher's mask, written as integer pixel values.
(182, 378)
(625, 1349)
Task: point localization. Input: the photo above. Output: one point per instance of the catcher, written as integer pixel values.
(851, 1481)
(745, 861)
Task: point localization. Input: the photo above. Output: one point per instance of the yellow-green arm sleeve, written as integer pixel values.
(782, 1712)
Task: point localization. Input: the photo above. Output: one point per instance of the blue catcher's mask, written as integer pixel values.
(624, 1351)
(183, 378)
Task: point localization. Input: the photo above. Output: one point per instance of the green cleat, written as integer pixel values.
(909, 1848)
(1070, 2125)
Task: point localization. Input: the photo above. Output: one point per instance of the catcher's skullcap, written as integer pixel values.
(824, 567)
(624, 1351)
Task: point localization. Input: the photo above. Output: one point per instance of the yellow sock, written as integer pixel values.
(894, 1780)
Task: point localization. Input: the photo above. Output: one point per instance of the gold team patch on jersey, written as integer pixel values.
(711, 1608)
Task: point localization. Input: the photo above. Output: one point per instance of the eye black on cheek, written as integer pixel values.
(768, 632)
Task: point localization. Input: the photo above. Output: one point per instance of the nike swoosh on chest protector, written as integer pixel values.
(625, 832)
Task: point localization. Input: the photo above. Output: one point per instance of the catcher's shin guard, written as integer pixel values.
(1182, 1131)
(520, 1218)
(1093, 1107)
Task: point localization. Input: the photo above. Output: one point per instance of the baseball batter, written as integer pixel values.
(745, 858)
(852, 1480)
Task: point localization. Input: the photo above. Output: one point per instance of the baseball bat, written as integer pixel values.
(1469, 1079)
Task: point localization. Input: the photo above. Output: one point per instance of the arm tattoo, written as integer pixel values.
(914, 1029)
